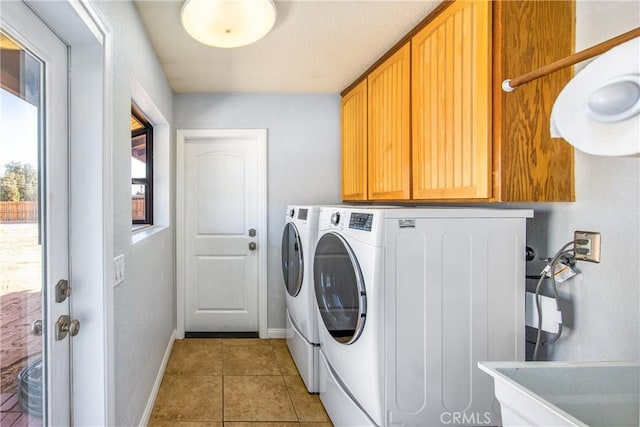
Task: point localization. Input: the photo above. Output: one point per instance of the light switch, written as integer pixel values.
(118, 270)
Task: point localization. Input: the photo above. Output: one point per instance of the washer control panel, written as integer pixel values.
(361, 221)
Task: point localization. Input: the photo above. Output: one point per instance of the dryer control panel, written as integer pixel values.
(361, 221)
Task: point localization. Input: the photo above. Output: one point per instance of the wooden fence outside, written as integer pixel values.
(26, 211)
(137, 208)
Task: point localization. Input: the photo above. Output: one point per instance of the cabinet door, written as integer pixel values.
(530, 165)
(354, 143)
(389, 142)
(451, 104)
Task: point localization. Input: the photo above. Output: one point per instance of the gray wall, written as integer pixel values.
(303, 157)
(601, 305)
(144, 304)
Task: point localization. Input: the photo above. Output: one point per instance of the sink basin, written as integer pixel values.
(567, 393)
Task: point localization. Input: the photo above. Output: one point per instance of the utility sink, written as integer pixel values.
(567, 393)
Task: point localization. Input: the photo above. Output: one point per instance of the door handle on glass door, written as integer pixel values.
(36, 328)
(65, 325)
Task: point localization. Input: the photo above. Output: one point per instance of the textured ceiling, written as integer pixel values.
(314, 47)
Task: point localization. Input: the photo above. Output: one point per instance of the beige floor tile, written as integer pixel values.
(198, 342)
(308, 406)
(183, 424)
(316, 424)
(285, 362)
(227, 342)
(249, 360)
(278, 343)
(189, 398)
(257, 398)
(259, 424)
(195, 357)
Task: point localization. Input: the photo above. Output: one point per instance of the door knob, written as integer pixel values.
(65, 326)
(36, 328)
(252, 246)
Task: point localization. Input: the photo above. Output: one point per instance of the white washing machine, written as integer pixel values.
(348, 269)
(298, 242)
(409, 301)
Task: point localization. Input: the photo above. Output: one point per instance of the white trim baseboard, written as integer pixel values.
(276, 333)
(146, 416)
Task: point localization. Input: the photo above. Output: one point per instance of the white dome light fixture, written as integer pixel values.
(228, 23)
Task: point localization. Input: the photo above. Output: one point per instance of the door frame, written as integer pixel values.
(260, 135)
(90, 43)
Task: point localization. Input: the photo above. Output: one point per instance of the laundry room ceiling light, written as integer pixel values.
(228, 23)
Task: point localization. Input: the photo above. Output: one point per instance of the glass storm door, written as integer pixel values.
(34, 362)
(292, 259)
(339, 287)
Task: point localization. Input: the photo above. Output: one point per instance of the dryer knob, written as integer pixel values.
(335, 218)
(291, 212)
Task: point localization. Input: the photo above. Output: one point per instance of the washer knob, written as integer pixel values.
(292, 212)
(335, 218)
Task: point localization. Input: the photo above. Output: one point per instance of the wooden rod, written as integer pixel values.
(510, 84)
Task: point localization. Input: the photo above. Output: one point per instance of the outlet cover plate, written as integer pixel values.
(118, 270)
(589, 250)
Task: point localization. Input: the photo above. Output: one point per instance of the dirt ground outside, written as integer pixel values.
(20, 299)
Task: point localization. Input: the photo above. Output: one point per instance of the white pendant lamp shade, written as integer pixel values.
(228, 23)
(598, 111)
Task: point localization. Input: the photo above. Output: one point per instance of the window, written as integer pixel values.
(141, 168)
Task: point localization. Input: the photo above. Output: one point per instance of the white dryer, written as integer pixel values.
(409, 301)
(298, 242)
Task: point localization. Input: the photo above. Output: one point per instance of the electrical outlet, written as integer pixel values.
(586, 245)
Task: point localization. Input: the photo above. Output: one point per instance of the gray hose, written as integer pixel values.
(549, 267)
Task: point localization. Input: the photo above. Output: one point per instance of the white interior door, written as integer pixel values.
(34, 135)
(222, 233)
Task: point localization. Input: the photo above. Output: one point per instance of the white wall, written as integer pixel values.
(303, 157)
(144, 304)
(601, 305)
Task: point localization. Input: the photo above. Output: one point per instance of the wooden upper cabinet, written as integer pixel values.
(389, 155)
(451, 104)
(529, 165)
(354, 143)
(439, 126)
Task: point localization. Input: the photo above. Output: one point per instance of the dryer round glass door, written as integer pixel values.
(292, 260)
(339, 287)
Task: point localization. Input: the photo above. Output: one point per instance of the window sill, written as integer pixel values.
(142, 231)
(138, 227)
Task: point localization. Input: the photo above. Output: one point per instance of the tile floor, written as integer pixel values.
(240, 382)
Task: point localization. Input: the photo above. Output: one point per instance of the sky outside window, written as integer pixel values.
(18, 131)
